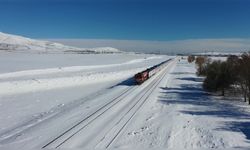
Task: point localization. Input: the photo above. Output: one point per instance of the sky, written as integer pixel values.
(134, 20)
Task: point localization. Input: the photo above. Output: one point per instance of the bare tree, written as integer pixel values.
(217, 77)
(244, 75)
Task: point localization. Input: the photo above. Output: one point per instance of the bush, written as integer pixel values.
(191, 58)
(201, 63)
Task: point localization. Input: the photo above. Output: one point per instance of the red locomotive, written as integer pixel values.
(141, 76)
(146, 74)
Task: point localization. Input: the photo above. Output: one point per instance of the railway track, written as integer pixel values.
(95, 115)
(15, 132)
(141, 101)
(136, 103)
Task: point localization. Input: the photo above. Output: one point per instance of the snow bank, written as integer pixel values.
(32, 85)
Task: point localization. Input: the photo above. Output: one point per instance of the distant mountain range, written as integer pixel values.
(10, 42)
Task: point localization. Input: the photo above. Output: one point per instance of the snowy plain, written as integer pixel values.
(33, 86)
(42, 96)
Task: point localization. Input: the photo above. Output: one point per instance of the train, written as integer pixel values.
(146, 74)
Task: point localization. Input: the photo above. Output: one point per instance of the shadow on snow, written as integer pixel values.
(128, 82)
(237, 126)
(193, 94)
(191, 79)
(179, 73)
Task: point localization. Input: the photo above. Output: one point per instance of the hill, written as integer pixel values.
(15, 43)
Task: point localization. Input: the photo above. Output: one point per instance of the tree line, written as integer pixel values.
(232, 74)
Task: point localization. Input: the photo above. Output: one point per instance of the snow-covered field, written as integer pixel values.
(91, 101)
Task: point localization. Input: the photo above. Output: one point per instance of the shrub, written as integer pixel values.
(191, 58)
(201, 63)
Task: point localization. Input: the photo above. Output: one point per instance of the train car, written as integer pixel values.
(152, 71)
(146, 74)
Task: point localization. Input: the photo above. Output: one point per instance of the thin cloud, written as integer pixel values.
(179, 46)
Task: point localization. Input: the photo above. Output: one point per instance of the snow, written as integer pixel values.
(60, 77)
(12, 62)
(45, 95)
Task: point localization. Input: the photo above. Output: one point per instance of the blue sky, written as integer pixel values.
(155, 20)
